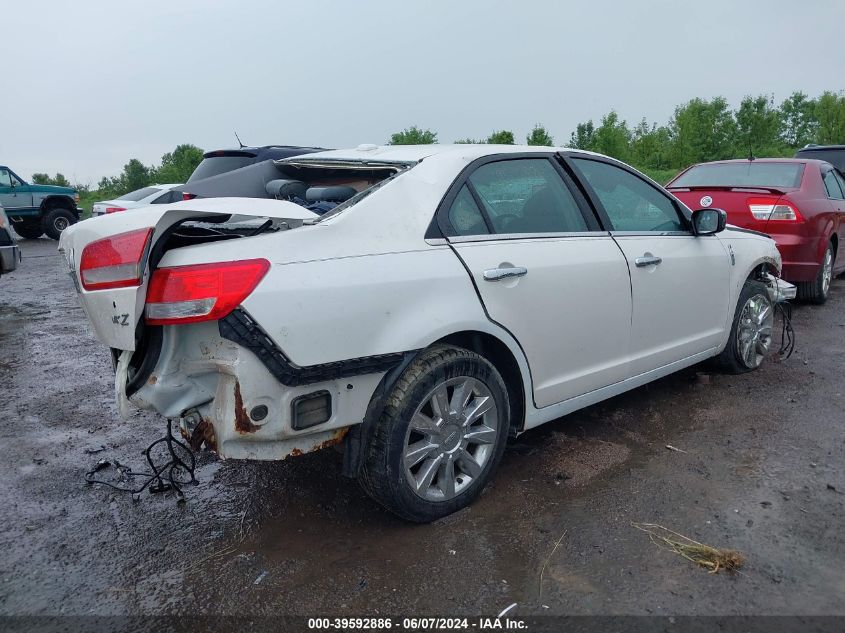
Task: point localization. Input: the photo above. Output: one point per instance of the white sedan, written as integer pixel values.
(452, 297)
(154, 194)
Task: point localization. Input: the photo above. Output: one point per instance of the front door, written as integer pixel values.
(14, 195)
(679, 282)
(546, 273)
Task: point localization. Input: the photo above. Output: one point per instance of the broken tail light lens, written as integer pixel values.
(114, 262)
(766, 208)
(201, 292)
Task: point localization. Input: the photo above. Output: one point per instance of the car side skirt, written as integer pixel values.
(540, 416)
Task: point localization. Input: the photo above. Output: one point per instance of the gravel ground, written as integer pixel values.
(763, 472)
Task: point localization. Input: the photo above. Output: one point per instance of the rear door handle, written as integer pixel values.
(496, 274)
(647, 260)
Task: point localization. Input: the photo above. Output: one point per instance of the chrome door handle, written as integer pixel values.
(496, 274)
(647, 260)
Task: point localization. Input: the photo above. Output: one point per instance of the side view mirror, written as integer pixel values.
(709, 221)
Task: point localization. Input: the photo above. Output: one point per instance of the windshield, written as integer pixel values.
(745, 174)
(139, 194)
(216, 165)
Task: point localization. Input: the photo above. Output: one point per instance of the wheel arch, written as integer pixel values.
(502, 358)
(505, 356)
(58, 201)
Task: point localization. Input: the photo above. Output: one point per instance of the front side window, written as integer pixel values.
(526, 196)
(831, 185)
(631, 203)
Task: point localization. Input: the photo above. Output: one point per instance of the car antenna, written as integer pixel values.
(240, 144)
(750, 151)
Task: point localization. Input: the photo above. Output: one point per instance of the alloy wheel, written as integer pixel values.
(450, 439)
(60, 224)
(827, 271)
(754, 331)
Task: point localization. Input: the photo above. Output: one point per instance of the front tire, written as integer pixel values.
(751, 330)
(818, 290)
(440, 435)
(57, 221)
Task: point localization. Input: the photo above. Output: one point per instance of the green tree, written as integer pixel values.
(413, 136)
(582, 137)
(612, 137)
(798, 122)
(539, 136)
(45, 179)
(135, 175)
(702, 131)
(758, 124)
(651, 146)
(468, 141)
(178, 165)
(830, 114)
(501, 137)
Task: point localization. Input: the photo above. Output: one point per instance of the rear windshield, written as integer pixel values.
(139, 194)
(216, 165)
(747, 174)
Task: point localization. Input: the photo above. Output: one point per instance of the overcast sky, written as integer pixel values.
(88, 85)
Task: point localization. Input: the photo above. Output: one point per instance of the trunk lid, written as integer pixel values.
(736, 201)
(115, 312)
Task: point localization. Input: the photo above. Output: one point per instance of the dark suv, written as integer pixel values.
(833, 154)
(205, 182)
(223, 160)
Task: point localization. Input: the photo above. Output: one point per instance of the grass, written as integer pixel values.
(712, 558)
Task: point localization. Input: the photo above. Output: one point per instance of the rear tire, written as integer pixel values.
(440, 435)
(28, 231)
(751, 330)
(818, 290)
(56, 221)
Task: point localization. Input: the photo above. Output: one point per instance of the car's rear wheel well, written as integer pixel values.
(498, 354)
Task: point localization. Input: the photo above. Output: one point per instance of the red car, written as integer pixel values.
(800, 203)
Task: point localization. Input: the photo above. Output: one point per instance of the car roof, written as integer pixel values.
(820, 148)
(416, 153)
(762, 160)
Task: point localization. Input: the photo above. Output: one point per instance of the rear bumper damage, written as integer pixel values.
(225, 398)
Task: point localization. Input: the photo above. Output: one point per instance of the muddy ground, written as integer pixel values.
(763, 472)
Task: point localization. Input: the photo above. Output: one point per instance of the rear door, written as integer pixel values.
(835, 188)
(680, 283)
(544, 271)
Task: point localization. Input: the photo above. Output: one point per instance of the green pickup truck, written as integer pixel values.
(37, 209)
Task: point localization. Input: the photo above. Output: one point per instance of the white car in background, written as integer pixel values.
(456, 296)
(154, 194)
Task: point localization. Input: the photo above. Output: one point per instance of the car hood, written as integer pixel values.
(68, 191)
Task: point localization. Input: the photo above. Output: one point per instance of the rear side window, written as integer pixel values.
(631, 203)
(526, 196)
(831, 185)
(744, 174)
(138, 194)
(464, 215)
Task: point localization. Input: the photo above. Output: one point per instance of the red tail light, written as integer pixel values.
(188, 196)
(773, 208)
(114, 262)
(201, 292)
(114, 209)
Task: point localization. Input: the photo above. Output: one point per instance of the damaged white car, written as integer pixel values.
(434, 301)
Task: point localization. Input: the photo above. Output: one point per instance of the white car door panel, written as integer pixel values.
(680, 303)
(570, 311)
(679, 282)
